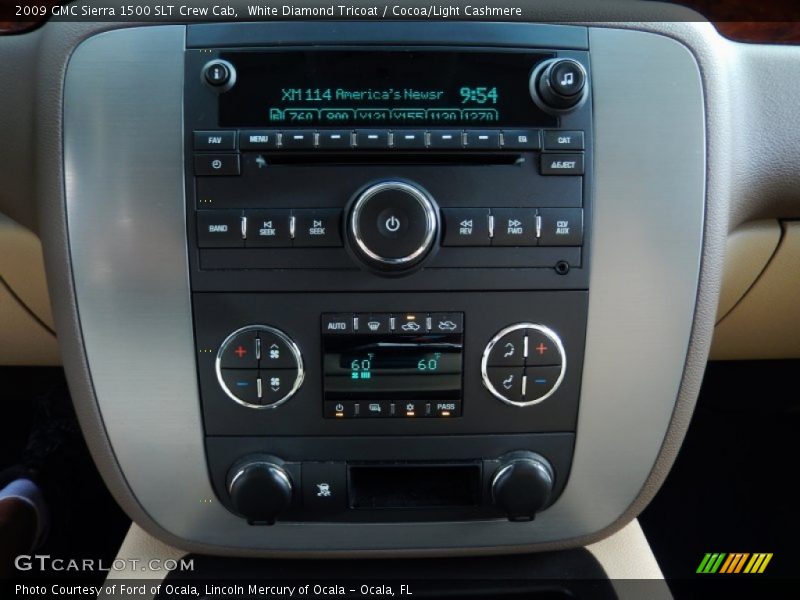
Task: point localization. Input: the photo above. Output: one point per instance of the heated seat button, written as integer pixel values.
(466, 226)
(241, 352)
(509, 350)
(514, 227)
(561, 226)
(540, 381)
(243, 384)
(507, 381)
(268, 228)
(317, 227)
(216, 164)
(274, 352)
(219, 229)
(324, 486)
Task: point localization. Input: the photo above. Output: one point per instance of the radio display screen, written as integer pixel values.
(381, 88)
(396, 367)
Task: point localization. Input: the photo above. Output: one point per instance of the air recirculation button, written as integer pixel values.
(259, 367)
(523, 364)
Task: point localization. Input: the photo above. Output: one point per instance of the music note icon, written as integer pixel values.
(568, 79)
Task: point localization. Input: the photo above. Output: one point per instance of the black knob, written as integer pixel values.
(392, 227)
(559, 85)
(260, 489)
(219, 74)
(522, 485)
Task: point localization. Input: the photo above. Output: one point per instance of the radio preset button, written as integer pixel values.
(337, 323)
(411, 140)
(514, 227)
(317, 227)
(562, 164)
(521, 139)
(297, 139)
(447, 139)
(466, 227)
(507, 381)
(258, 139)
(212, 165)
(215, 140)
(561, 226)
(563, 140)
(268, 228)
(334, 140)
(480, 139)
(509, 350)
(372, 139)
(219, 229)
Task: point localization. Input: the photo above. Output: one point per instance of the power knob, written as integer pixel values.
(558, 85)
(260, 489)
(522, 485)
(392, 227)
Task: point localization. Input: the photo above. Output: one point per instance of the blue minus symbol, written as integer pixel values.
(242, 383)
(540, 380)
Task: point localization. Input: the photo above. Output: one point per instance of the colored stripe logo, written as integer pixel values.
(737, 562)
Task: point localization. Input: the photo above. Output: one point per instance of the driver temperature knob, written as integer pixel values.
(392, 227)
(522, 485)
(260, 488)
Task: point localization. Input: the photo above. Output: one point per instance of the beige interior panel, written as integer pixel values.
(22, 269)
(23, 339)
(747, 253)
(766, 322)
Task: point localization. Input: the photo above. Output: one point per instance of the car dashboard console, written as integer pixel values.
(406, 286)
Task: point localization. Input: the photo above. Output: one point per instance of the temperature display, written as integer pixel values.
(399, 367)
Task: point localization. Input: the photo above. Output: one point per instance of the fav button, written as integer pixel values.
(215, 140)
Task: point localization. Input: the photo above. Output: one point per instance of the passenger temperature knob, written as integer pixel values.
(260, 489)
(522, 485)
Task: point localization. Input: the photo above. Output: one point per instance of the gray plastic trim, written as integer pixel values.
(125, 210)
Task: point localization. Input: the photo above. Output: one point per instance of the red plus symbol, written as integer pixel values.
(541, 348)
(240, 351)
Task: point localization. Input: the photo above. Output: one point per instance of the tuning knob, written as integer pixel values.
(392, 227)
(558, 85)
(522, 485)
(260, 488)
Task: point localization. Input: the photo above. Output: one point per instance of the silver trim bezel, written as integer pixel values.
(485, 359)
(301, 373)
(430, 221)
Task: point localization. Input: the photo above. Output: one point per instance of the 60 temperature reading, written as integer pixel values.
(429, 364)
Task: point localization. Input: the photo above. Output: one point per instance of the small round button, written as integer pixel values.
(392, 226)
(219, 74)
(523, 364)
(259, 367)
(567, 78)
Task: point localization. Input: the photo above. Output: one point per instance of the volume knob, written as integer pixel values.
(558, 85)
(392, 227)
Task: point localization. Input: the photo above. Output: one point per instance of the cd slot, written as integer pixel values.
(395, 158)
